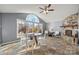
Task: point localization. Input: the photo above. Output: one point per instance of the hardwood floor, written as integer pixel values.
(52, 45)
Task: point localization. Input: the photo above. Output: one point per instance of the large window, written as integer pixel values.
(32, 18)
(30, 25)
(33, 24)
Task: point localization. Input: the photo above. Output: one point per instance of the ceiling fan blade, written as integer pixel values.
(41, 11)
(51, 10)
(41, 8)
(49, 5)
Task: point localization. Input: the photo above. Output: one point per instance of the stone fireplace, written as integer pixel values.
(70, 24)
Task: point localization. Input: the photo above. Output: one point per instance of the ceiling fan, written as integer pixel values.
(46, 9)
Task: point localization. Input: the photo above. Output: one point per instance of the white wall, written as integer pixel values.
(55, 26)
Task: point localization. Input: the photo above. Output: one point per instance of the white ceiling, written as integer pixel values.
(61, 10)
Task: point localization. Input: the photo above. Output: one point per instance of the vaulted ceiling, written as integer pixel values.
(61, 10)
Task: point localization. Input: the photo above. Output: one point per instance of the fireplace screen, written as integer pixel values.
(68, 32)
